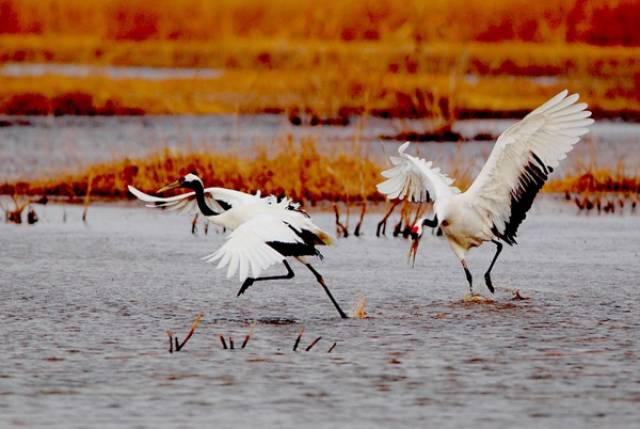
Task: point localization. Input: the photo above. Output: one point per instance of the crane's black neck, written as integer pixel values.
(202, 203)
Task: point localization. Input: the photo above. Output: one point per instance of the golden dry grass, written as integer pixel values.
(332, 58)
(338, 89)
(295, 169)
(597, 21)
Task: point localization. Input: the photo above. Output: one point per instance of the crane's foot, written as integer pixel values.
(477, 299)
(517, 296)
(248, 282)
(489, 283)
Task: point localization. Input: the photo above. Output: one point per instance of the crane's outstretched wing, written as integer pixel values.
(522, 159)
(251, 248)
(415, 179)
(219, 199)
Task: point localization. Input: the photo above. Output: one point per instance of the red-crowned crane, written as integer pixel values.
(497, 202)
(265, 231)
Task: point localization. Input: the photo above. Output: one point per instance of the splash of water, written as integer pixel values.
(359, 309)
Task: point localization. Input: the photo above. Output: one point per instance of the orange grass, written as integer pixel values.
(333, 58)
(606, 22)
(331, 92)
(597, 181)
(294, 168)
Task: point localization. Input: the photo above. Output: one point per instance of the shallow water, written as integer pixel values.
(85, 308)
(52, 144)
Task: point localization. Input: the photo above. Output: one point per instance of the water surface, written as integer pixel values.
(85, 308)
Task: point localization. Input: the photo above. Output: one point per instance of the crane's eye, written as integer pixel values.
(445, 223)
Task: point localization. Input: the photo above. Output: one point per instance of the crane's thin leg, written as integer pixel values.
(249, 281)
(340, 228)
(487, 275)
(382, 225)
(468, 274)
(326, 289)
(356, 231)
(194, 224)
(431, 223)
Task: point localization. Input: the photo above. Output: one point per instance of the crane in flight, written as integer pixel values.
(497, 202)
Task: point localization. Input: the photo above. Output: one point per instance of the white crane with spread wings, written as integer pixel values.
(266, 231)
(497, 202)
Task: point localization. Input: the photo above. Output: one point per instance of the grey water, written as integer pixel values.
(49, 145)
(85, 309)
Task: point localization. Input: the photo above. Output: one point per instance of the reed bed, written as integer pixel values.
(330, 60)
(321, 98)
(289, 167)
(596, 22)
(295, 169)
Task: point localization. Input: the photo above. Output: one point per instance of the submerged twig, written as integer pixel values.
(332, 347)
(170, 335)
(295, 345)
(313, 344)
(224, 343)
(194, 326)
(87, 198)
(249, 334)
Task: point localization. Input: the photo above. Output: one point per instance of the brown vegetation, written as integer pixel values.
(292, 168)
(321, 62)
(601, 22)
(295, 169)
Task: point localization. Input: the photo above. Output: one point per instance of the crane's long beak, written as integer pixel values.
(171, 185)
(413, 251)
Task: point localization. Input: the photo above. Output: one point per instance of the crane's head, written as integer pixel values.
(190, 181)
(416, 235)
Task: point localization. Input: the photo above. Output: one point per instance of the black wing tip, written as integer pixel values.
(533, 177)
(293, 249)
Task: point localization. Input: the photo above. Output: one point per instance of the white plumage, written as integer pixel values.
(265, 230)
(220, 199)
(497, 202)
(246, 249)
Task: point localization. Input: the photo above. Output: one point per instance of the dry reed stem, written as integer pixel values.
(170, 335)
(249, 334)
(297, 343)
(313, 344)
(194, 326)
(224, 343)
(87, 198)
